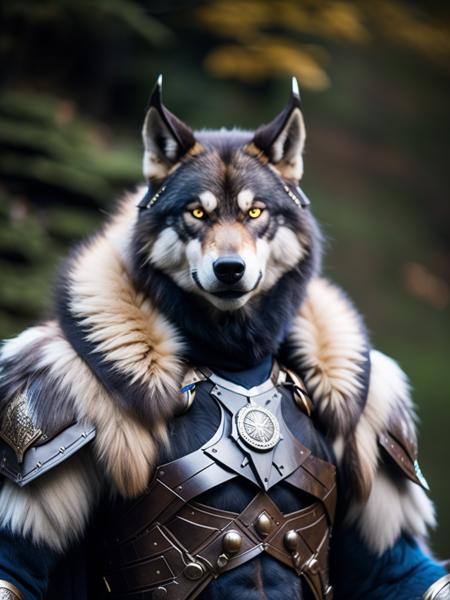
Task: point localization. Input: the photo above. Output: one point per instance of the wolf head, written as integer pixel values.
(224, 229)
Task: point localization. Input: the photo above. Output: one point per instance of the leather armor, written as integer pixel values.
(168, 545)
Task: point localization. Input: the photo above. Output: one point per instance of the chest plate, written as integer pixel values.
(170, 545)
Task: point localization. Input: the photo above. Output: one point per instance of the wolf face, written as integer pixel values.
(223, 218)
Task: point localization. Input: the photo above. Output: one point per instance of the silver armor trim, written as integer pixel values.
(440, 590)
(37, 460)
(240, 389)
(17, 428)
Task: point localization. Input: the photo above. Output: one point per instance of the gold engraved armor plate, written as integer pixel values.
(17, 428)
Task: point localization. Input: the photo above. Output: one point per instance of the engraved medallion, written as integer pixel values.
(258, 427)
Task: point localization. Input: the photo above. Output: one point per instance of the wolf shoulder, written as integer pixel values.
(384, 446)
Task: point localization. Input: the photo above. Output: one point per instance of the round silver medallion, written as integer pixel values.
(258, 427)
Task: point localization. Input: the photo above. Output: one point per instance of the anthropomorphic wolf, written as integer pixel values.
(203, 415)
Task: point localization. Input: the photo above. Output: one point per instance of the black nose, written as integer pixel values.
(229, 269)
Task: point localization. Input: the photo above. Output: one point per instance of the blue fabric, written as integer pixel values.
(404, 572)
(250, 377)
(25, 565)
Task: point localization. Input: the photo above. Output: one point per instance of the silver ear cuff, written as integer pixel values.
(147, 202)
(301, 200)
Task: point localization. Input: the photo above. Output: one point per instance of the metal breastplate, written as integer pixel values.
(168, 546)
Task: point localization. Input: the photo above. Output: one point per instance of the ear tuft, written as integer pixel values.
(282, 141)
(166, 138)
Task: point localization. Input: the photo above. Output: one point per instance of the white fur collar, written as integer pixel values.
(327, 343)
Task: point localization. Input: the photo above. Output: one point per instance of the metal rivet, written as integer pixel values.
(291, 540)
(232, 542)
(158, 572)
(263, 524)
(108, 587)
(39, 465)
(162, 473)
(222, 560)
(194, 571)
(159, 594)
(214, 450)
(61, 449)
(84, 434)
(312, 565)
(180, 487)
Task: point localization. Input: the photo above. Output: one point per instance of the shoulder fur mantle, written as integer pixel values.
(327, 345)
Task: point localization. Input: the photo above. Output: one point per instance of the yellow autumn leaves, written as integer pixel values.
(262, 38)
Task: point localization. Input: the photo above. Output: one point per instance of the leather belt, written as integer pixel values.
(200, 543)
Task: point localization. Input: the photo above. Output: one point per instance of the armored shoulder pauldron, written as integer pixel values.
(29, 450)
(168, 545)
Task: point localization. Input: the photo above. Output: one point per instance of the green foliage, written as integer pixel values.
(48, 142)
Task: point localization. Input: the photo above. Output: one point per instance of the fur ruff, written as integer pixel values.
(137, 344)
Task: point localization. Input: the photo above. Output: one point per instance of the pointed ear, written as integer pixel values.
(166, 138)
(282, 141)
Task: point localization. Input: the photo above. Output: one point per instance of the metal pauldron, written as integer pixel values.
(440, 590)
(8, 591)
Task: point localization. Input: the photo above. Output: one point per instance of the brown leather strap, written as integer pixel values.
(162, 501)
(402, 449)
(318, 478)
(191, 548)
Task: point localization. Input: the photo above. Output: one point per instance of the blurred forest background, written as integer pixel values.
(374, 78)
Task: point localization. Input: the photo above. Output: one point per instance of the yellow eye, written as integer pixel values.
(254, 213)
(198, 213)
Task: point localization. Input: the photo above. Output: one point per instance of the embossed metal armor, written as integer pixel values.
(168, 545)
(8, 591)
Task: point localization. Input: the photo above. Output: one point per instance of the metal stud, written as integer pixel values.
(155, 197)
(194, 571)
(264, 524)
(159, 594)
(291, 540)
(232, 542)
(312, 565)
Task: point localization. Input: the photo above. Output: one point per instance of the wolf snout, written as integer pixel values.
(229, 269)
